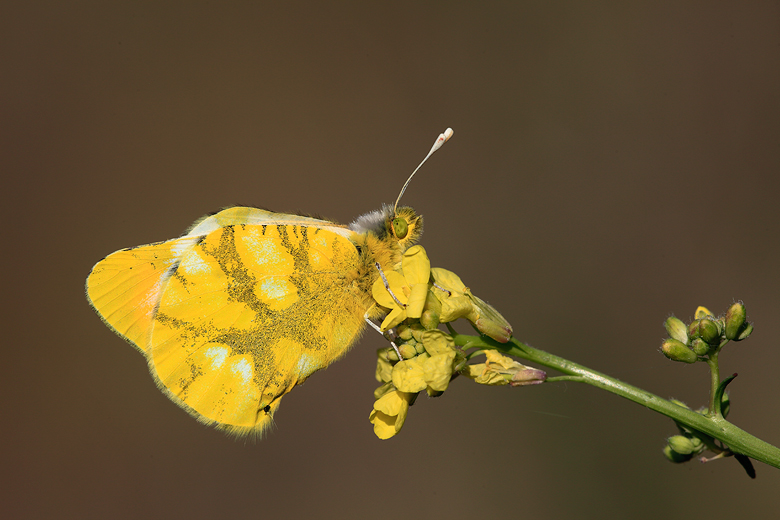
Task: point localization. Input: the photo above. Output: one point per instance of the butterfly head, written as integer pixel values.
(401, 226)
(406, 226)
(396, 226)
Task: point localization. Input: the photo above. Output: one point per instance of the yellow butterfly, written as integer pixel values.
(249, 303)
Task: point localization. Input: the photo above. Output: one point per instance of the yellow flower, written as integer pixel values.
(409, 375)
(458, 302)
(501, 370)
(389, 411)
(384, 369)
(438, 371)
(409, 286)
(429, 357)
(437, 342)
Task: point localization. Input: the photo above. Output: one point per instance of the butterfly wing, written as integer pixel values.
(243, 308)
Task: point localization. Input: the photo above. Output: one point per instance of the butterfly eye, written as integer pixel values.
(400, 228)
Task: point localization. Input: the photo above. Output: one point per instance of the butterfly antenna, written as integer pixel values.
(443, 138)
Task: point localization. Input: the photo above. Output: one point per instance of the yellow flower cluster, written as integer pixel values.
(416, 299)
(430, 360)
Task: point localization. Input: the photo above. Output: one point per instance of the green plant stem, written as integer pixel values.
(738, 440)
(714, 381)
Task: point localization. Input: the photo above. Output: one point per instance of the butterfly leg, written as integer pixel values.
(376, 328)
(387, 285)
(442, 289)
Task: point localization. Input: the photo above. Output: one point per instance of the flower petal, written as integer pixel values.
(409, 376)
(437, 342)
(395, 317)
(384, 369)
(416, 303)
(396, 282)
(447, 280)
(390, 404)
(438, 371)
(416, 266)
(384, 425)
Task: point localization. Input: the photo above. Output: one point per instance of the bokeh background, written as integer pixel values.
(613, 163)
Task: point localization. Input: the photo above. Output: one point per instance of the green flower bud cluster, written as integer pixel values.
(689, 443)
(705, 335)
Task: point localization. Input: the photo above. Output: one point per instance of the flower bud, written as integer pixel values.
(404, 332)
(431, 316)
(700, 347)
(529, 376)
(677, 351)
(407, 351)
(709, 331)
(682, 444)
(735, 321)
(745, 333)
(706, 329)
(499, 330)
(417, 331)
(693, 329)
(675, 457)
(457, 301)
(721, 323)
(676, 329)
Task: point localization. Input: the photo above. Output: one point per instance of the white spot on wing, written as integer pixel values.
(264, 251)
(217, 355)
(274, 289)
(194, 264)
(243, 369)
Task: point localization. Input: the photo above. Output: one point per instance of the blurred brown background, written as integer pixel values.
(613, 163)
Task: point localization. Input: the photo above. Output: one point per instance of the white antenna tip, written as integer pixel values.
(443, 138)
